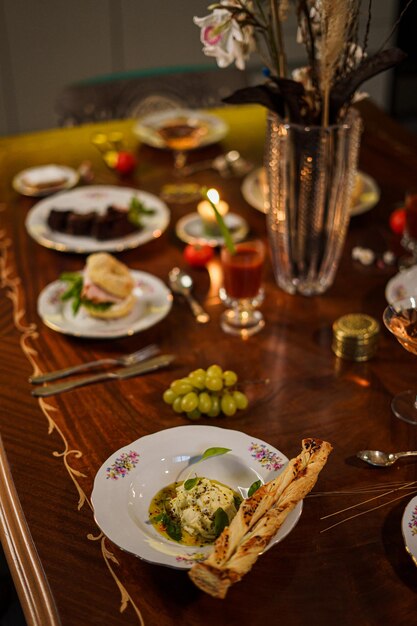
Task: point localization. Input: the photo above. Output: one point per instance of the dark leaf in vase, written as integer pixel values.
(344, 89)
(261, 94)
(293, 93)
(283, 96)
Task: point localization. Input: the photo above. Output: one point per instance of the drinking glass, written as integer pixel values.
(401, 320)
(409, 239)
(242, 291)
(180, 133)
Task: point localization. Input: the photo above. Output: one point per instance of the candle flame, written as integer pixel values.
(213, 195)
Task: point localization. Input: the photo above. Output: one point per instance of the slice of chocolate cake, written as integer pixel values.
(81, 224)
(57, 220)
(113, 224)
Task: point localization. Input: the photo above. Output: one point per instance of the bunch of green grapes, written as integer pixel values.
(206, 392)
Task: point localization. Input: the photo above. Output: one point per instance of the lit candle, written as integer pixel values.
(206, 212)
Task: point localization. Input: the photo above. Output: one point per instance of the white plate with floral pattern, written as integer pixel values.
(409, 528)
(153, 303)
(96, 198)
(402, 285)
(254, 191)
(126, 483)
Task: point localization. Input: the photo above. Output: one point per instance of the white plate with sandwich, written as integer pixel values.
(99, 305)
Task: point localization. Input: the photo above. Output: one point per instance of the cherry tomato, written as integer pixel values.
(125, 162)
(198, 255)
(397, 221)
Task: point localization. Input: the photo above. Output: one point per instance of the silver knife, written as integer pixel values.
(123, 372)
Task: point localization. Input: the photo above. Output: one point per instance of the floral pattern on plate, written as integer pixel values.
(266, 457)
(122, 465)
(409, 528)
(121, 507)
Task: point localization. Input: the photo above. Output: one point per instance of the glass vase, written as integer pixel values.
(310, 173)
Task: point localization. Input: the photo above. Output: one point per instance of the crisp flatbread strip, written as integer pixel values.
(250, 511)
(215, 579)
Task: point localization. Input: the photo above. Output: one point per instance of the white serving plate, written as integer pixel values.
(97, 198)
(254, 194)
(127, 481)
(153, 303)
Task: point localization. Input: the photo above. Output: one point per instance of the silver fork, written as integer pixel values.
(127, 359)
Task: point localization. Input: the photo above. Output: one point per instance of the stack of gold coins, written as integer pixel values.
(355, 337)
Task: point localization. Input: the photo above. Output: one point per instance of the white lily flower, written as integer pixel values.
(224, 39)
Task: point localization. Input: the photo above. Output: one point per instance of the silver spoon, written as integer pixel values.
(229, 164)
(181, 283)
(382, 459)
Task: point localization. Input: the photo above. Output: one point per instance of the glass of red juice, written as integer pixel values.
(242, 288)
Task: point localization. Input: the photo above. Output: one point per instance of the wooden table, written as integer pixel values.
(65, 570)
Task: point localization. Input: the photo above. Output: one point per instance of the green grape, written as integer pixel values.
(204, 402)
(169, 396)
(215, 407)
(228, 404)
(194, 415)
(198, 380)
(197, 372)
(189, 402)
(230, 378)
(240, 399)
(177, 404)
(214, 370)
(214, 383)
(181, 387)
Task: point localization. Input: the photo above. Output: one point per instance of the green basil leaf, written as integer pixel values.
(75, 286)
(220, 521)
(136, 210)
(225, 232)
(172, 529)
(254, 487)
(190, 483)
(237, 502)
(213, 452)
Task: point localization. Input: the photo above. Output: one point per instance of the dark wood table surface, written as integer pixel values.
(65, 570)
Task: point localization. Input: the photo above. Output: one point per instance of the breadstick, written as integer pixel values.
(214, 578)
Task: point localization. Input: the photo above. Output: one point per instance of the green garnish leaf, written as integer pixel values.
(237, 502)
(213, 452)
(190, 483)
(210, 452)
(137, 210)
(172, 529)
(225, 232)
(220, 521)
(74, 290)
(254, 487)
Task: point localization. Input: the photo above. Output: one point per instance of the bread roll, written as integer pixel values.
(109, 274)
